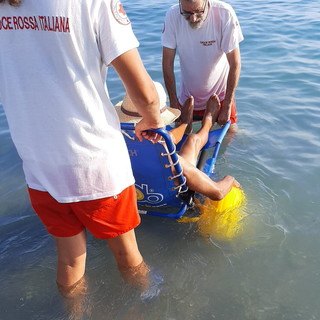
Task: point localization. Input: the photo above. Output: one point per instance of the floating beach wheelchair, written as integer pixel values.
(160, 184)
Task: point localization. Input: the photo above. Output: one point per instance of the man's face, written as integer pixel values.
(194, 12)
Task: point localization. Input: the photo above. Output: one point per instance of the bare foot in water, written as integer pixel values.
(212, 111)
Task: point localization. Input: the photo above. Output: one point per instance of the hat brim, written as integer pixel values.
(168, 116)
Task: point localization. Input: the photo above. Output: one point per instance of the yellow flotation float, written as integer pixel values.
(222, 219)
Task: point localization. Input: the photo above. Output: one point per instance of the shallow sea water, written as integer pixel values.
(269, 272)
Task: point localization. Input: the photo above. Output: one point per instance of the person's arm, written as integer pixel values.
(168, 56)
(140, 88)
(234, 61)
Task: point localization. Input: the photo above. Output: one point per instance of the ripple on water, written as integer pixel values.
(272, 270)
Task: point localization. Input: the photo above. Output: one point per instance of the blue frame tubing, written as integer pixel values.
(181, 189)
(205, 163)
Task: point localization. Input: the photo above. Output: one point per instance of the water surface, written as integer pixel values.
(271, 271)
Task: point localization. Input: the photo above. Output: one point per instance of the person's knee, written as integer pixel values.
(193, 139)
(127, 258)
(125, 249)
(71, 262)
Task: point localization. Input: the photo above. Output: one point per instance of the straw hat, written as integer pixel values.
(128, 113)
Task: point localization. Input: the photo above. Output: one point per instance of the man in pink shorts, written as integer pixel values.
(206, 35)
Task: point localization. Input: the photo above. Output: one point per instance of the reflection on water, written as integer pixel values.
(271, 270)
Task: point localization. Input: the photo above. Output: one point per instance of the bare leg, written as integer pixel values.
(71, 259)
(186, 121)
(185, 118)
(196, 179)
(70, 273)
(192, 146)
(129, 259)
(202, 184)
(187, 111)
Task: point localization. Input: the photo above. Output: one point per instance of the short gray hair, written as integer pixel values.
(191, 1)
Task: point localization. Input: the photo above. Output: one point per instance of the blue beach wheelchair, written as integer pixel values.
(160, 184)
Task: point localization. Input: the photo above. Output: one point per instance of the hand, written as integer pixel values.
(175, 104)
(151, 136)
(142, 130)
(225, 114)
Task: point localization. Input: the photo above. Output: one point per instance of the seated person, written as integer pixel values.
(189, 151)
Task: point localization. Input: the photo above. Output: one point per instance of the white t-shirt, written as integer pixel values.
(202, 52)
(53, 62)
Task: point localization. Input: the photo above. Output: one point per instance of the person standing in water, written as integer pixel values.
(206, 35)
(66, 130)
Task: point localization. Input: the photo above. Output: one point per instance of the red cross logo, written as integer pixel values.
(121, 9)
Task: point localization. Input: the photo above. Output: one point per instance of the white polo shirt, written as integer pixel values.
(202, 52)
(53, 62)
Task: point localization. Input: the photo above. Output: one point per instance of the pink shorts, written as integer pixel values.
(233, 116)
(104, 218)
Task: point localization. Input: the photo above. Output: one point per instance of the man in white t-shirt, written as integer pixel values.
(53, 67)
(206, 34)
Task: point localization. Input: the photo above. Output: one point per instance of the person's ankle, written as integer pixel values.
(79, 287)
(137, 276)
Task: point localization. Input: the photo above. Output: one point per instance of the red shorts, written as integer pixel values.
(104, 218)
(233, 116)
